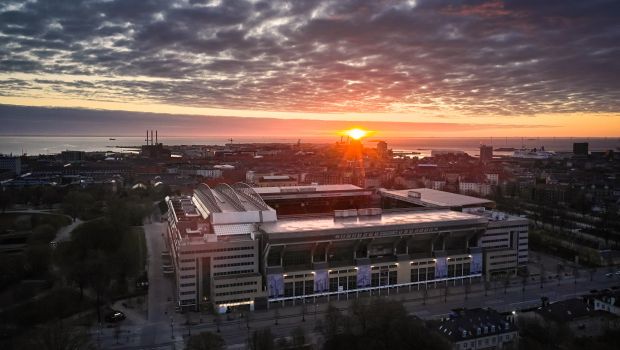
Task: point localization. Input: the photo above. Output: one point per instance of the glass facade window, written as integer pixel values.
(383, 277)
(414, 275)
(333, 284)
(288, 289)
(309, 287)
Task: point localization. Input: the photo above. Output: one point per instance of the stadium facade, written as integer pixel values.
(230, 249)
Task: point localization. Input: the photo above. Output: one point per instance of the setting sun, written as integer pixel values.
(356, 133)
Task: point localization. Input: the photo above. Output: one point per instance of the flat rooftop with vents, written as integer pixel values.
(427, 197)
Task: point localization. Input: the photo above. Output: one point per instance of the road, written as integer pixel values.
(235, 331)
(156, 331)
(64, 233)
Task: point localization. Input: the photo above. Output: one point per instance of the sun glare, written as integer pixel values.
(356, 133)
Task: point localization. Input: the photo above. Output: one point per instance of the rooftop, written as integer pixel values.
(432, 218)
(566, 310)
(238, 204)
(224, 198)
(307, 188)
(474, 323)
(433, 198)
(183, 208)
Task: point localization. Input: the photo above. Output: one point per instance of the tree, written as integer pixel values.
(6, 200)
(205, 341)
(524, 279)
(57, 335)
(276, 316)
(380, 324)
(592, 272)
(262, 339)
(218, 321)
(299, 337)
(49, 196)
(467, 289)
(542, 275)
(575, 274)
(76, 204)
(506, 282)
(333, 321)
(559, 271)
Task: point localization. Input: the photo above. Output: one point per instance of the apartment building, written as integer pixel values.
(479, 329)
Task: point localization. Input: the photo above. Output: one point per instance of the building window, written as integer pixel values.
(288, 289)
(414, 275)
(309, 287)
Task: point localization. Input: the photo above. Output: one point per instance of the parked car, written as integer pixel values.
(115, 316)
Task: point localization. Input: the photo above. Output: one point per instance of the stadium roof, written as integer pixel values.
(231, 205)
(433, 198)
(398, 219)
(307, 188)
(311, 191)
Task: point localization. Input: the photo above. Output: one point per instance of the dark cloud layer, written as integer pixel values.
(22, 120)
(466, 57)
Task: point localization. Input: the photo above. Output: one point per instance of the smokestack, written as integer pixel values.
(147, 137)
(151, 137)
(155, 136)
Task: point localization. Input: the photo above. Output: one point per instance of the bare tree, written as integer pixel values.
(218, 321)
(248, 316)
(205, 341)
(575, 274)
(56, 335)
(559, 272)
(276, 316)
(117, 333)
(524, 278)
(541, 267)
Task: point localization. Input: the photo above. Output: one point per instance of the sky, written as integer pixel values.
(403, 68)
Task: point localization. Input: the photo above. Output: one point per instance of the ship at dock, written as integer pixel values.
(533, 153)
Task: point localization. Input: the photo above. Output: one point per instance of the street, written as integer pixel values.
(156, 332)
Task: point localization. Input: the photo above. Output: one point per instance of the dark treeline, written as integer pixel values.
(100, 263)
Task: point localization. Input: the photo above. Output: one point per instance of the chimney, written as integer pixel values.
(151, 137)
(155, 136)
(147, 137)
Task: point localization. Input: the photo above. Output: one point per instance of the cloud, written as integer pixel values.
(20, 120)
(465, 58)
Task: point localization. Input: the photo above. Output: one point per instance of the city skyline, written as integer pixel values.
(483, 68)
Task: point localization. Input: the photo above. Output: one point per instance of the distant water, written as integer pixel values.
(34, 145)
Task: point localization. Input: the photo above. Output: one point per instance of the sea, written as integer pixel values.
(413, 146)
